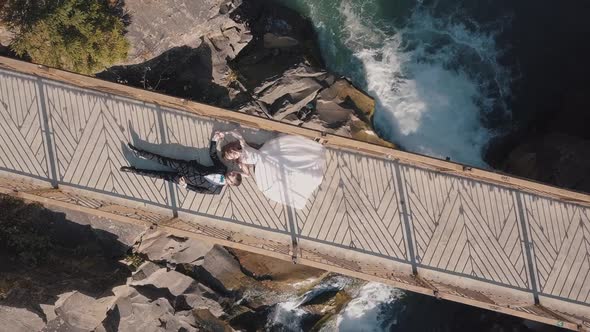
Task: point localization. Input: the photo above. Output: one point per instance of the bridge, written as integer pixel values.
(421, 224)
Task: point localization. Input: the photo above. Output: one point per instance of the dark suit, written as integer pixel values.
(193, 172)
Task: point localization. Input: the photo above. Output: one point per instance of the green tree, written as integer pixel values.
(84, 36)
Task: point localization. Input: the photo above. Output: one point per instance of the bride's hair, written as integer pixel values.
(229, 148)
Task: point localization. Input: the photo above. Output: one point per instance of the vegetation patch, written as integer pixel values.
(134, 260)
(84, 36)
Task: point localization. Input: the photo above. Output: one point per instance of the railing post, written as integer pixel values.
(406, 217)
(164, 140)
(527, 247)
(46, 129)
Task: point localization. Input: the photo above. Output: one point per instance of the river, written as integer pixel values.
(450, 75)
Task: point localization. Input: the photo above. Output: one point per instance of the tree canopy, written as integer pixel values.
(84, 36)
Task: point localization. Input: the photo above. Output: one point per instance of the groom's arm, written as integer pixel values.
(213, 150)
(213, 153)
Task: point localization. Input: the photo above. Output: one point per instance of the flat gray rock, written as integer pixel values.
(159, 25)
(19, 320)
(5, 36)
(138, 317)
(145, 270)
(159, 246)
(183, 290)
(49, 311)
(175, 282)
(223, 270)
(82, 311)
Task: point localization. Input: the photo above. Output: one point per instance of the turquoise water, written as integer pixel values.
(433, 70)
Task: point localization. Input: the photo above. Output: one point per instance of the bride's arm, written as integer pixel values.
(249, 154)
(238, 136)
(247, 169)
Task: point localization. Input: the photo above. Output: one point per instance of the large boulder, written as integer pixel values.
(19, 320)
(282, 71)
(135, 313)
(204, 320)
(163, 247)
(315, 99)
(281, 39)
(275, 270)
(180, 289)
(157, 26)
(182, 47)
(79, 311)
(221, 270)
(136, 309)
(284, 96)
(5, 35)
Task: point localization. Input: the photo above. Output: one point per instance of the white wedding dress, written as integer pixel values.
(288, 169)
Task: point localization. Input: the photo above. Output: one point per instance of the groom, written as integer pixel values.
(190, 174)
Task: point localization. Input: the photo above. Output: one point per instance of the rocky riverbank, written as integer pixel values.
(252, 56)
(61, 274)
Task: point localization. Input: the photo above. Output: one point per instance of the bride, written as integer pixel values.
(287, 169)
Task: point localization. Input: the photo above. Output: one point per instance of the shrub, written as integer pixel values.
(84, 36)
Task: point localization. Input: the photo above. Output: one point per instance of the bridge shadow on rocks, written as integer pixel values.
(424, 220)
(44, 255)
(184, 72)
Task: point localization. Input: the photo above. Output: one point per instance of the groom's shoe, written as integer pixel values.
(137, 151)
(133, 148)
(129, 169)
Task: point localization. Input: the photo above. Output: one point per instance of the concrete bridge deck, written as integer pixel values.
(421, 224)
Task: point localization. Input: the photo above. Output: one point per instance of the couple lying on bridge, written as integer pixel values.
(287, 169)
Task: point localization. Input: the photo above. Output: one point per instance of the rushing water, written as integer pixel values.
(365, 312)
(434, 72)
(289, 315)
(376, 307)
